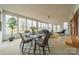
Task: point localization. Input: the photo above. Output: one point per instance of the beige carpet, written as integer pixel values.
(10, 48)
(57, 47)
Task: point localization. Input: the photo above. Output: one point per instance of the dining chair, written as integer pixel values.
(23, 42)
(43, 43)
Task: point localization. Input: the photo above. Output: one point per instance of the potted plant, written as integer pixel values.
(27, 31)
(33, 29)
(11, 24)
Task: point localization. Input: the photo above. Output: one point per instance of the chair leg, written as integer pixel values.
(22, 48)
(20, 44)
(39, 50)
(44, 51)
(30, 48)
(31, 43)
(26, 47)
(48, 48)
(34, 48)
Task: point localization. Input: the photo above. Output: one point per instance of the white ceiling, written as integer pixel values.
(58, 12)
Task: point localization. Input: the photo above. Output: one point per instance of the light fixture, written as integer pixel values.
(48, 17)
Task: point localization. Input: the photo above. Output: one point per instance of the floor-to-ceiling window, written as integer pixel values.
(39, 26)
(7, 29)
(34, 23)
(66, 27)
(45, 26)
(29, 24)
(0, 28)
(22, 24)
(42, 25)
(50, 27)
(58, 28)
(0, 22)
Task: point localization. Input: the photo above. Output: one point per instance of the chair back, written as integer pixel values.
(45, 41)
(46, 32)
(22, 37)
(63, 31)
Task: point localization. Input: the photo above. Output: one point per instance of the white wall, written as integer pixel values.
(0, 37)
(0, 31)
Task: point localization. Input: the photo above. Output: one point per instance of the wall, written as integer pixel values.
(74, 24)
(78, 22)
(74, 18)
(0, 30)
